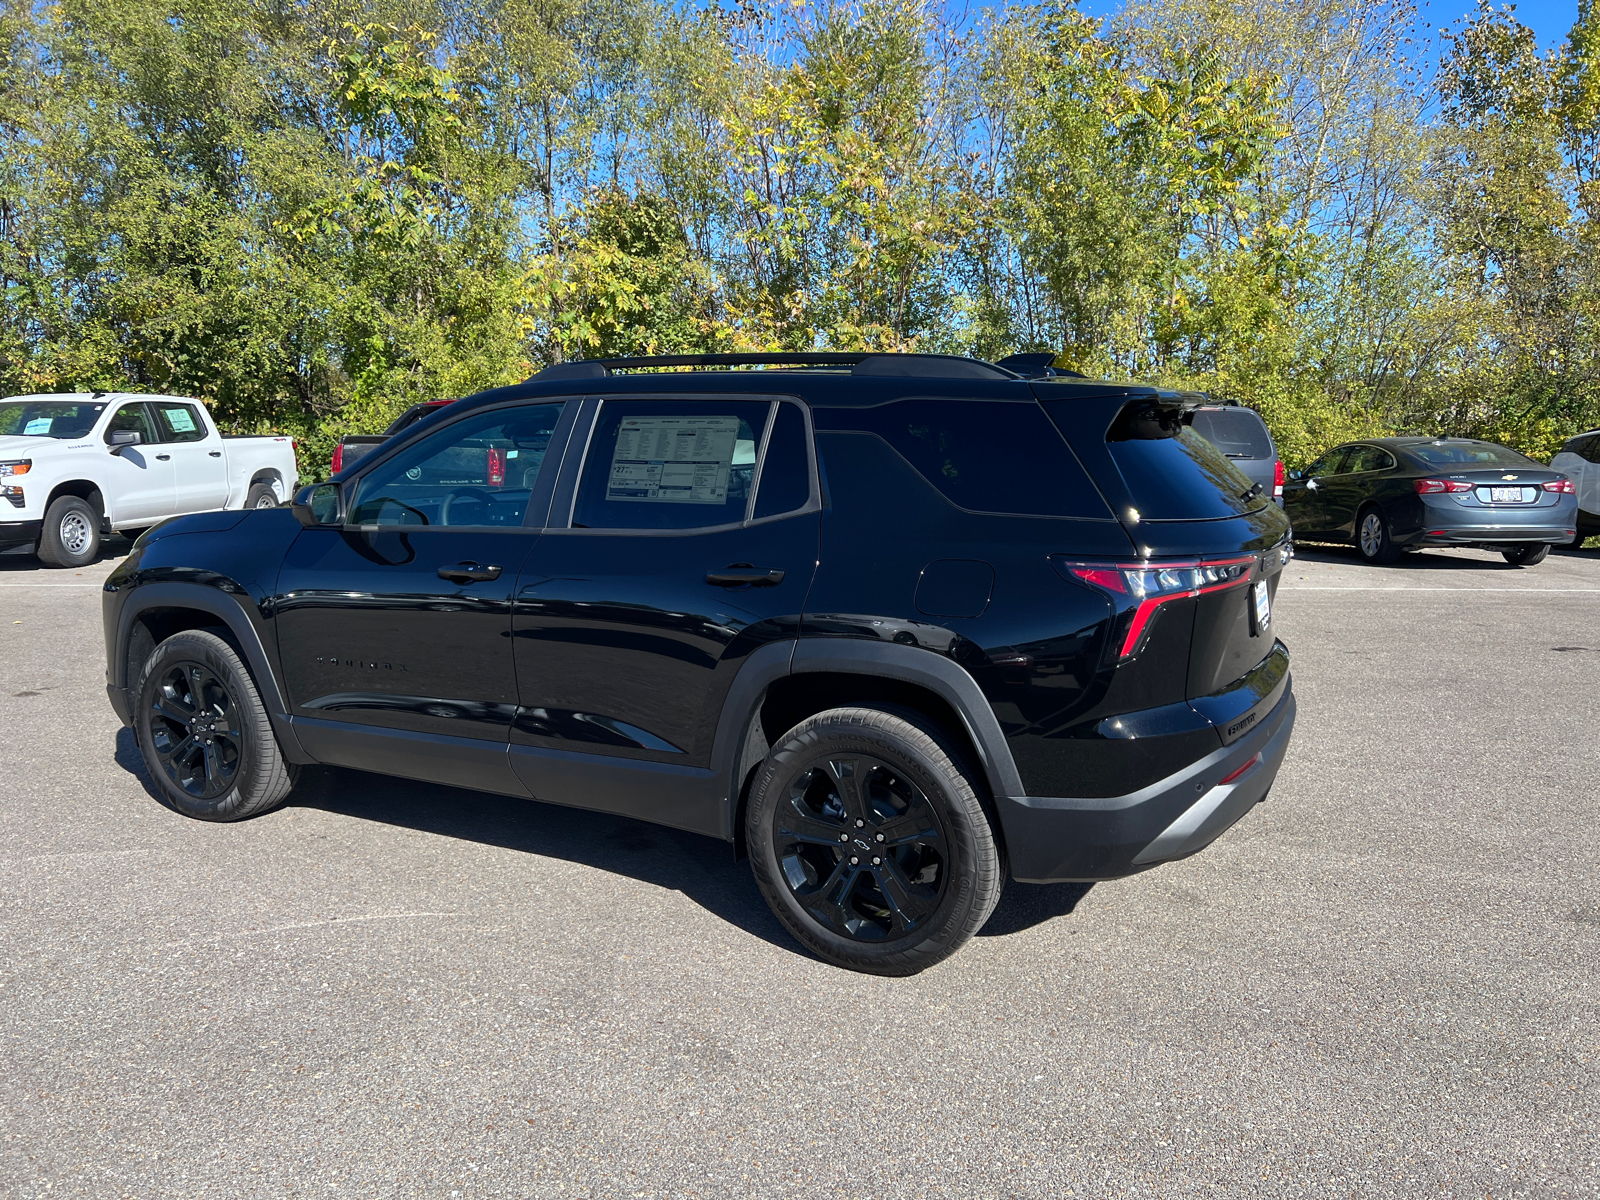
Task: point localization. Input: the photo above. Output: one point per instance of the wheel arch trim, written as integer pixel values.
(209, 600)
(923, 668)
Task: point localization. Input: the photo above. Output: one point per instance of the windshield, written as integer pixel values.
(1465, 453)
(48, 418)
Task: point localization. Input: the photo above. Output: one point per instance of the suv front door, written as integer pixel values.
(685, 539)
(400, 619)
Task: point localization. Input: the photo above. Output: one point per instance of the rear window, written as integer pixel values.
(1469, 454)
(994, 456)
(1183, 478)
(1237, 432)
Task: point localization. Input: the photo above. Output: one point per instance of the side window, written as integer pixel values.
(179, 423)
(785, 483)
(670, 464)
(1591, 449)
(477, 471)
(1329, 464)
(135, 417)
(1365, 458)
(985, 455)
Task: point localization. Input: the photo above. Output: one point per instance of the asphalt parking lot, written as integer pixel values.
(1382, 982)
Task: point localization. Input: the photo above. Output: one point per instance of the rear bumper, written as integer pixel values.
(1444, 522)
(19, 533)
(1496, 535)
(1057, 839)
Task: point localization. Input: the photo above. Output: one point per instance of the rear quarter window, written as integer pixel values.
(1237, 432)
(993, 456)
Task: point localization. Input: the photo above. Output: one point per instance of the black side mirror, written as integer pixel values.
(1295, 474)
(318, 504)
(121, 439)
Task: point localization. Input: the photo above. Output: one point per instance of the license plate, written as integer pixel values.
(1510, 495)
(1263, 605)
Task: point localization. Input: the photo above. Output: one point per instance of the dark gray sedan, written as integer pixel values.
(1392, 494)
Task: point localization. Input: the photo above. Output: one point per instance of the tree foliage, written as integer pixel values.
(312, 215)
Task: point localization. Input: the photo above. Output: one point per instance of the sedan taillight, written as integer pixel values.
(1562, 485)
(1426, 487)
(1138, 589)
(1277, 480)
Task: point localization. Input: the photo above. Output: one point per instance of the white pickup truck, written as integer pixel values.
(76, 466)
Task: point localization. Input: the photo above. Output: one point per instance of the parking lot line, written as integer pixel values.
(1552, 591)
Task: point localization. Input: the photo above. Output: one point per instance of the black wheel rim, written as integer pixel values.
(195, 730)
(861, 848)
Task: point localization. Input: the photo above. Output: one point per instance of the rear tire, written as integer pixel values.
(261, 496)
(71, 533)
(1526, 554)
(1372, 538)
(204, 732)
(869, 842)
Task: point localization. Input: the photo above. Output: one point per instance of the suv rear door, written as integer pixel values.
(682, 538)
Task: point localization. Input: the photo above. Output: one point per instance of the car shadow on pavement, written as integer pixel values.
(1435, 559)
(701, 868)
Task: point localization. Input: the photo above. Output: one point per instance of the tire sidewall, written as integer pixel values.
(215, 655)
(53, 548)
(949, 926)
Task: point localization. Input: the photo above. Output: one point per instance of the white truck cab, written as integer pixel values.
(1580, 460)
(76, 466)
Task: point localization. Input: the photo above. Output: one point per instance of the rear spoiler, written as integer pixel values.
(1155, 415)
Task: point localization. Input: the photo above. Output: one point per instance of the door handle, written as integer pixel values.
(214, 453)
(742, 575)
(163, 457)
(1311, 485)
(469, 572)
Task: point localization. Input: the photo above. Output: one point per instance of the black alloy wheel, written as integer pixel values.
(868, 840)
(195, 729)
(861, 848)
(1526, 554)
(204, 733)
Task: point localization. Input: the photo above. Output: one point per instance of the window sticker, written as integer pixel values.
(37, 427)
(180, 419)
(673, 460)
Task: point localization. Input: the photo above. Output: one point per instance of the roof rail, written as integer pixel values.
(927, 366)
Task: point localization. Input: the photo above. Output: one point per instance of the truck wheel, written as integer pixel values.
(867, 838)
(204, 732)
(261, 496)
(1526, 554)
(71, 533)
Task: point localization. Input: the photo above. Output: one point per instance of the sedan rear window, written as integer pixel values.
(1468, 453)
(1237, 432)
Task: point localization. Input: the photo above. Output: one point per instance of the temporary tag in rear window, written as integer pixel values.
(673, 460)
(179, 419)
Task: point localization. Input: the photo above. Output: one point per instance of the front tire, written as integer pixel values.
(204, 732)
(1373, 540)
(1526, 554)
(70, 536)
(869, 842)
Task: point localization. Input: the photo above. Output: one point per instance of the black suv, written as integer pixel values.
(895, 626)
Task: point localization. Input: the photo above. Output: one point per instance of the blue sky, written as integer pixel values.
(1550, 19)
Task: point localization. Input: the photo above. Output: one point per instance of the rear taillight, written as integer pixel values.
(1562, 485)
(1427, 487)
(1277, 480)
(338, 459)
(1138, 589)
(497, 467)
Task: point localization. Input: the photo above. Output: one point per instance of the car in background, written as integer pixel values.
(1242, 435)
(1387, 495)
(358, 445)
(1579, 460)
